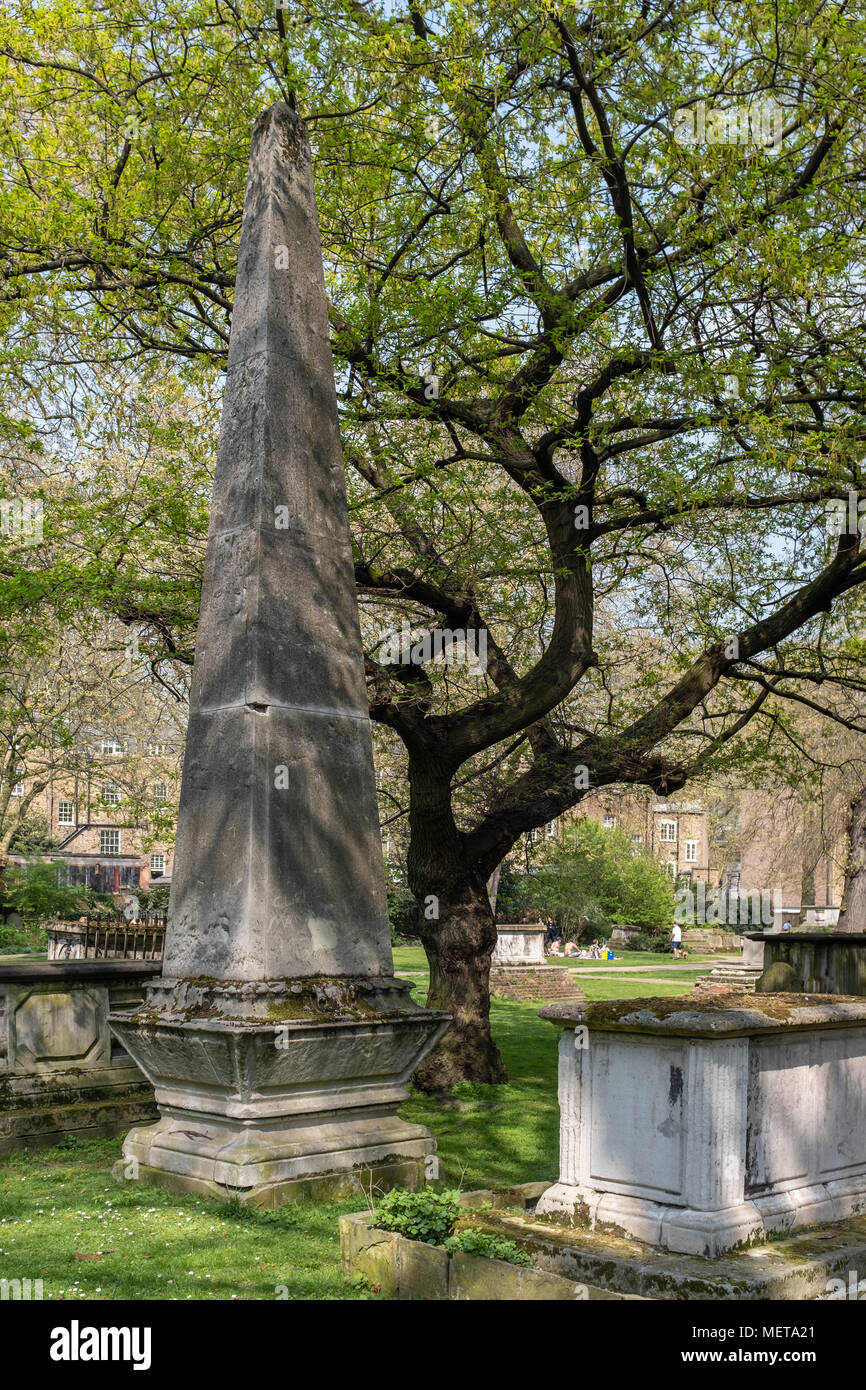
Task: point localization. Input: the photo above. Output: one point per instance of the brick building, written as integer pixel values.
(112, 814)
(674, 832)
(744, 842)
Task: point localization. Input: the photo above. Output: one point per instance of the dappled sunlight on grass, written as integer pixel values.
(64, 1220)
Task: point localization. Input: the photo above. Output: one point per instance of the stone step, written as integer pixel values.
(739, 976)
(528, 982)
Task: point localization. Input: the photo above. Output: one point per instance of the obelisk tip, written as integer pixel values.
(285, 123)
(281, 113)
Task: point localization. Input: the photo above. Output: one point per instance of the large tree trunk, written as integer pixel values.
(458, 933)
(458, 948)
(852, 917)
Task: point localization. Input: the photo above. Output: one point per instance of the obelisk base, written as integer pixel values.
(270, 1112)
(270, 1168)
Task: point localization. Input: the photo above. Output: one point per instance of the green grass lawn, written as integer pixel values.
(64, 1220)
(59, 1208)
(413, 958)
(659, 958)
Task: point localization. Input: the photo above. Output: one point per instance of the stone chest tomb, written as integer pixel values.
(700, 1126)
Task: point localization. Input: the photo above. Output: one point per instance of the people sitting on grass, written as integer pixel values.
(596, 951)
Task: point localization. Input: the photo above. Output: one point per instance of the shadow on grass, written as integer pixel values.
(501, 1134)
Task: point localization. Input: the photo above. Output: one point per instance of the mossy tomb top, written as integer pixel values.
(717, 1015)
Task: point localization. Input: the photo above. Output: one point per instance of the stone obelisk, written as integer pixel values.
(277, 1039)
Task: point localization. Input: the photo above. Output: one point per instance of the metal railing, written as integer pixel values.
(98, 939)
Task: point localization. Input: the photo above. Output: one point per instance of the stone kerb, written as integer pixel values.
(412, 1269)
(699, 1126)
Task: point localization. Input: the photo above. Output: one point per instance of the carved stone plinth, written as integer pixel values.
(286, 1106)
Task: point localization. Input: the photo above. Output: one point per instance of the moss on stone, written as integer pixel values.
(779, 1007)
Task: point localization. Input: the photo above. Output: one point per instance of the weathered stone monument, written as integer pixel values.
(278, 1040)
(700, 1125)
(519, 970)
(815, 962)
(61, 1071)
(519, 943)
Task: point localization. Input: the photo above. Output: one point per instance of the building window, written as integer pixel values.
(671, 868)
(157, 863)
(637, 839)
(551, 830)
(532, 836)
(156, 750)
(160, 791)
(691, 851)
(109, 842)
(66, 813)
(668, 830)
(111, 793)
(18, 789)
(111, 745)
(609, 822)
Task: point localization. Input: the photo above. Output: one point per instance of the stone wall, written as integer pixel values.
(708, 939)
(624, 935)
(703, 939)
(61, 1069)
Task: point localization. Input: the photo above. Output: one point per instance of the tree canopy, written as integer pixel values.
(597, 309)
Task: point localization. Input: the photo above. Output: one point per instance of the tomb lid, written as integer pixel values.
(717, 1016)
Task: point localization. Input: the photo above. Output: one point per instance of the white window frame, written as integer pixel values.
(551, 829)
(668, 825)
(110, 793)
(63, 806)
(691, 852)
(104, 841)
(111, 747)
(609, 821)
(160, 792)
(160, 867)
(18, 789)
